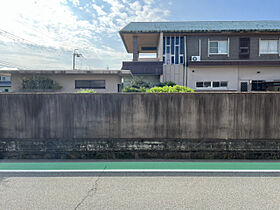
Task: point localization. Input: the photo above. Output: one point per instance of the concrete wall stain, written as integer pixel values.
(140, 125)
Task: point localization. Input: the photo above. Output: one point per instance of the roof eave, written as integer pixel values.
(198, 31)
(125, 45)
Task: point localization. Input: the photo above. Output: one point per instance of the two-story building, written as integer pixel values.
(206, 55)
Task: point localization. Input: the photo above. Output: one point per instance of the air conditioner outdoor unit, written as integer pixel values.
(195, 58)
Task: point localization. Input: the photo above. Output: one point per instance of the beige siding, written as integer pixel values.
(68, 82)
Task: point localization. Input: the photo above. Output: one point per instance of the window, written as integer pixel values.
(182, 47)
(148, 48)
(258, 85)
(173, 46)
(224, 84)
(168, 41)
(216, 84)
(206, 84)
(177, 40)
(218, 47)
(212, 84)
(181, 59)
(269, 46)
(244, 48)
(199, 84)
(168, 50)
(177, 55)
(95, 84)
(163, 45)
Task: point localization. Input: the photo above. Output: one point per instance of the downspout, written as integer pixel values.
(185, 83)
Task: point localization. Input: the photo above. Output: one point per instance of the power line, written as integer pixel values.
(19, 39)
(15, 37)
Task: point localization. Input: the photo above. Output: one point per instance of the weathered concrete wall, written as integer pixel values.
(139, 148)
(51, 120)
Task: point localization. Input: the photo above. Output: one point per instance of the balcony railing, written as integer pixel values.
(144, 67)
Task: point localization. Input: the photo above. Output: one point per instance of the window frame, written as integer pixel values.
(212, 85)
(269, 53)
(219, 82)
(197, 83)
(244, 44)
(90, 87)
(227, 44)
(175, 48)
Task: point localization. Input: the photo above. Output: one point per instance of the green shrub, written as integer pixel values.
(39, 83)
(138, 83)
(169, 89)
(167, 83)
(134, 90)
(86, 91)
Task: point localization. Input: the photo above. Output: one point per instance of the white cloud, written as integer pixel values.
(7, 68)
(75, 2)
(122, 12)
(54, 26)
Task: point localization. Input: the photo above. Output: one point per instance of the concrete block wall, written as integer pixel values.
(140, 125)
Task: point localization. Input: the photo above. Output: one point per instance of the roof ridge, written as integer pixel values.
(188, 21)
(198, 26)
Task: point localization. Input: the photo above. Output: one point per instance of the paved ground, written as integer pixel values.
(42, 191)
(152, 190)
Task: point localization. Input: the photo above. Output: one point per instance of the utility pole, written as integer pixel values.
(75, 54)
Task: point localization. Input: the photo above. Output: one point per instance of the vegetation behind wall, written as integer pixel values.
(39, 83)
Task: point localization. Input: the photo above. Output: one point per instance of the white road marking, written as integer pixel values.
(142, 171)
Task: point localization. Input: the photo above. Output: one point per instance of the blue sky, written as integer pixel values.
(47, 32)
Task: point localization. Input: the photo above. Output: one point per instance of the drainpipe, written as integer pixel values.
(185, 83)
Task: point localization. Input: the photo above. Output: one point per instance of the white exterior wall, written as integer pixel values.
(251, 73)
(201, 74)
(68, 82)
(3, 89)
(232, 74)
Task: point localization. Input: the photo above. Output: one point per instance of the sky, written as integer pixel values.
(42, 34)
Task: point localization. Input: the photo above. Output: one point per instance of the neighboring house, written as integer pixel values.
(71, 81)
(207, 55)
(5, 83)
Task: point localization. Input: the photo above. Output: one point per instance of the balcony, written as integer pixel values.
(144, 67)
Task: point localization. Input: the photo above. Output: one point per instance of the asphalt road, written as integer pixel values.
(158, 191)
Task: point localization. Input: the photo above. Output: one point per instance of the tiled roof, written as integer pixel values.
(202, 26)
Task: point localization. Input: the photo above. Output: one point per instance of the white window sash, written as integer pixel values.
(220, 45)
(268, 46)
(212, 86)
